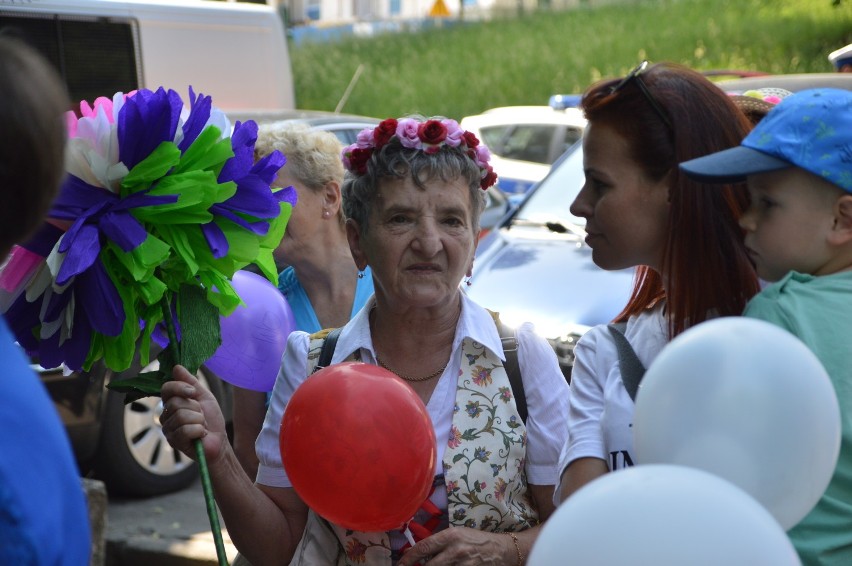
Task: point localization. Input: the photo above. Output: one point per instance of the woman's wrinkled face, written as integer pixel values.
(419, 243)
(626, 213)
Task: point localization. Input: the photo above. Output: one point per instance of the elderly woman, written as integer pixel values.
(321, 283)
(413, 199)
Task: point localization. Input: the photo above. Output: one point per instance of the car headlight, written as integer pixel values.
(563, 346)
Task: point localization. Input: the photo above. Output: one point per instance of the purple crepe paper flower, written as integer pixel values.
(145, 121)
(97, 214)
(199, 114)
(252, 197)
(96, 306)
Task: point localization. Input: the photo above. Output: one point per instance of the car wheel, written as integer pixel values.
(133, 458)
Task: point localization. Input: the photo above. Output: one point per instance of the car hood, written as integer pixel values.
(548, 279)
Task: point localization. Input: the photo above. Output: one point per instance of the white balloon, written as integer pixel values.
(662, 515)
(747, 401)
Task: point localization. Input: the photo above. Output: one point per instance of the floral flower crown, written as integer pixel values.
(428, 136)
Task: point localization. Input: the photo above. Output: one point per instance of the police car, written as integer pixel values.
(525, 140)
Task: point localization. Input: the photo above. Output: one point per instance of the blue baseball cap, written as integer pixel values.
(811, 129)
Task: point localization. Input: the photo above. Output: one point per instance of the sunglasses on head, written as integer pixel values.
(635, 75)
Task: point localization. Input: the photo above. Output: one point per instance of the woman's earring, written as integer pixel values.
(467, 281)
(361, 275)
(325, 214)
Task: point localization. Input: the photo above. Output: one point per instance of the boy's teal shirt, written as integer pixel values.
(818, 310)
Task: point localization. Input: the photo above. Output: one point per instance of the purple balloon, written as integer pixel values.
(253, 336)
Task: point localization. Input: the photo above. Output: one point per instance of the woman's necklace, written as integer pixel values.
(406, 378)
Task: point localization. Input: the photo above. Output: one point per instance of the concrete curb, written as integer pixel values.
(171, 530)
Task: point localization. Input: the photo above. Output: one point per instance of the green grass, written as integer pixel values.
(463, 69)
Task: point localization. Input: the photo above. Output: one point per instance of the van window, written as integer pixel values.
(93, 55)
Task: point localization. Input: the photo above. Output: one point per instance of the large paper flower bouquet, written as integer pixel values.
(162, 203)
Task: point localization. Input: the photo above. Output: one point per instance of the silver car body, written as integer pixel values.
(535, 266)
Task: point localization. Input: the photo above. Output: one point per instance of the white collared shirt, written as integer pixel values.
(544, 385)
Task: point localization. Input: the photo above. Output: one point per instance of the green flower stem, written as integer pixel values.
(212, 512)
(206, 484)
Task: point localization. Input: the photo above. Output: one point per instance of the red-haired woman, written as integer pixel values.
(683, 236)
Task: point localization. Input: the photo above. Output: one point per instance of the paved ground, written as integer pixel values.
(172, 530)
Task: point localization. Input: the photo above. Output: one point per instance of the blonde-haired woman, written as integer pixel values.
(321, 282)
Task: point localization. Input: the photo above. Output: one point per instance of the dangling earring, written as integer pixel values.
(467, 281)
(361, 275)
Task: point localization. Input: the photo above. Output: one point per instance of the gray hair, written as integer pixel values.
(393, 161)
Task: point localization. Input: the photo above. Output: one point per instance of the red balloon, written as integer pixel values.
(358, 446)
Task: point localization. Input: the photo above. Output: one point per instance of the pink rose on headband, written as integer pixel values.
(455, 135)
(384, 132)
(406, 131)
(483, 156)
(364, 139)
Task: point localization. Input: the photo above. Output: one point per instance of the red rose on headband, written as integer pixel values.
(358, 159)
(470, 140)
(432, 132)
(488, 179)
(384, 132)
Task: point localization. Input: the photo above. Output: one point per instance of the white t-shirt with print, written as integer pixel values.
(600, 411)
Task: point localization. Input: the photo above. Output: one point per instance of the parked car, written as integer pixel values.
(791, 82)
(100, 48)
(525, 140)
(535, 266)
(344, 126)
(123, 445)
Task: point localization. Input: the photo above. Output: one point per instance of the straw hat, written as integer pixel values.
(757, 102)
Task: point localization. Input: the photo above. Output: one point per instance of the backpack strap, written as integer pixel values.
(327, 351)
(509, 338)
(632, 370)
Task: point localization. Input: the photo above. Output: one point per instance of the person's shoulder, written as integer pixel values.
(803, 289)
(596, 338)
(776, 302)
(795, 282)
(651, 322)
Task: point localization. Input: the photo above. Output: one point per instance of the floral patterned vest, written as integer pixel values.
(483, 468)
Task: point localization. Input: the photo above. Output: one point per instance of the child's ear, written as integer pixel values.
(841, 233)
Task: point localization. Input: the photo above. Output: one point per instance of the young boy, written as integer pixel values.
(798, 166)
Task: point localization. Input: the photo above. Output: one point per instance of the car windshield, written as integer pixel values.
(550, 201)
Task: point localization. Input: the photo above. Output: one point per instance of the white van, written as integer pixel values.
(235, 52)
